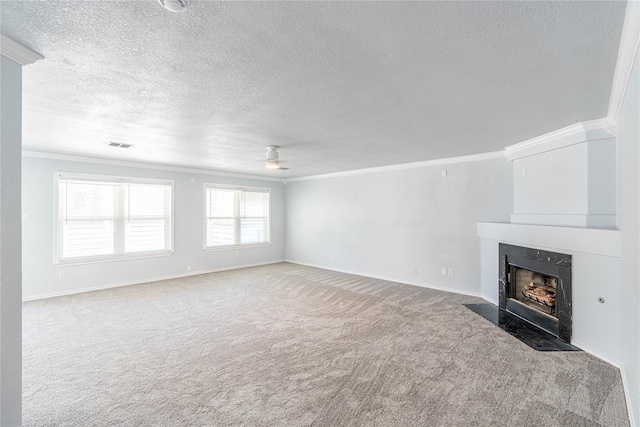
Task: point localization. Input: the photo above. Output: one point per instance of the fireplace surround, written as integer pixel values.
(535, 285)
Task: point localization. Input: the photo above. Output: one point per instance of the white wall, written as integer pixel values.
(10, 254)
(628, 166)
(40, 275)
(570, 186)
(555, 182)
(387, 224)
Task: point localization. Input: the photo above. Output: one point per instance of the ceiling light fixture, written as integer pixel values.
(175, 5)
(273, 164)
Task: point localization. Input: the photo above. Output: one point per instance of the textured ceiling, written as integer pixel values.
(337, 85)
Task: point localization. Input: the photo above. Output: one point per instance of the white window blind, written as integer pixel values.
(236, 217)
(100, 218)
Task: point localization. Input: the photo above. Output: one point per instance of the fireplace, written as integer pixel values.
(535, 285)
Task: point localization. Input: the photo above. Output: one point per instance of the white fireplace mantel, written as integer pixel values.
(595, 241)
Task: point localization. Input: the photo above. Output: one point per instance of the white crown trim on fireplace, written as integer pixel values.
(570, 135)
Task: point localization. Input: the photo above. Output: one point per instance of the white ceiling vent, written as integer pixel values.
(119, 145)
(175, 5)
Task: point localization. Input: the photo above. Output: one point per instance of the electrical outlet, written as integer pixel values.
(188, 268)
(61, 275)
(443, 173)
(415, 271)
(444, 271)
(523, 172)
(450, 272)
(330, 256)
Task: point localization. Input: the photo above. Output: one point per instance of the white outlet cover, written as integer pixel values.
(523, 173)
(443, 173)
(450, 272)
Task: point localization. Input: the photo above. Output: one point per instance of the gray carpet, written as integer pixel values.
(286, 345)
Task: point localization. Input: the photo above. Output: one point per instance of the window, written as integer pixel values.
(107, 217)
(236, 217)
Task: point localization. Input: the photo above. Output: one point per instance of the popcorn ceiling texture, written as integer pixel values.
(338, 85)
(287, 345)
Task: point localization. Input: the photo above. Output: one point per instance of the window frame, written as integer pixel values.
(237, 219)
(118, 256)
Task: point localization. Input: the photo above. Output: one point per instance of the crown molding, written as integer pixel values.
(17, 52)
(570, 135)
(402, 166)
(142, 165)
(629, 44)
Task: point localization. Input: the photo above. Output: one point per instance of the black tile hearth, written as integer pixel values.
(532, 336)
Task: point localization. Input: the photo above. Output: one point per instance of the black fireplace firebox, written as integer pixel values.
(535, 285)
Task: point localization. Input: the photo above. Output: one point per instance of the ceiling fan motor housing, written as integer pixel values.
(272, 153)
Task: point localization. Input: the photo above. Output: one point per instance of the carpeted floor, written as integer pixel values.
(287, 345)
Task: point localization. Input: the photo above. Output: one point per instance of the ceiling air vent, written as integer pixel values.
(119, 145)
(175, 5)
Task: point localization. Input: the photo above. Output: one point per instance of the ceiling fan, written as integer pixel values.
(273, 161)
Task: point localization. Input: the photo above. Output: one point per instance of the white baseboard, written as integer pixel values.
(151, 279)
(389, 279)
(596, 353)
(627, 395)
